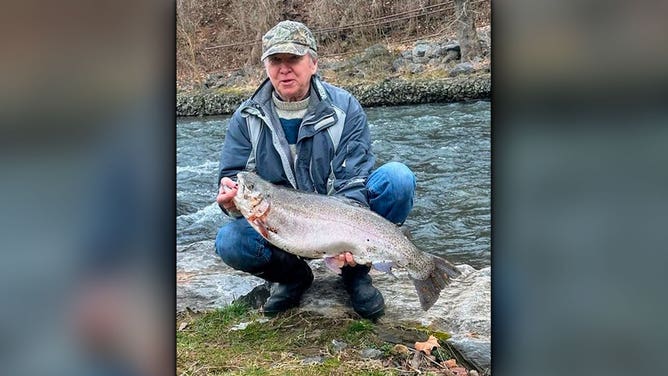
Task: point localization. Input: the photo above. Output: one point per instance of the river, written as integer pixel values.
(446, 145)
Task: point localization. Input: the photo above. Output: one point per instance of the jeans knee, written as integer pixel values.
(241, 248)
(396, 177)
(403, 179)
(225, 245)
(391, 190)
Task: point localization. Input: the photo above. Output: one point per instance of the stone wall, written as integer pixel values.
(389, 92)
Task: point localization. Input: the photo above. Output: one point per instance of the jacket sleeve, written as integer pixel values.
(236, 151)
(354, 158)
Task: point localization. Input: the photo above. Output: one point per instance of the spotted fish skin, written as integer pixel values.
(318, 226)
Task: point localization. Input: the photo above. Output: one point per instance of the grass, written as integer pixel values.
(236, 340)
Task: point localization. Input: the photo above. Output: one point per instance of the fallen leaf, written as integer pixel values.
(427, 345)
(183, 325)
(451, 363)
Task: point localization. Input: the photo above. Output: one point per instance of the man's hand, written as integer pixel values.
(346, 258)
(226, 192)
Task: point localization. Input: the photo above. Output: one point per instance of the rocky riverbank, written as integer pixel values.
(390, 92)
(425, 72)
(463, 309)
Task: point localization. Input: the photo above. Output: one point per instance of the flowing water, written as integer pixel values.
(446, 145)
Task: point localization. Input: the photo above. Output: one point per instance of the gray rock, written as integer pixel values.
(375, 51)
(452, 47)
(183, 208)
(371, 353)
(204, 282)
(452, 55)
(452, 51)
(257, 296)
(463, 309)
(313, 360)
(415, 68)
(434, 50)
(338, 346)
(434, 61)
(420, 50)
(461, 68)
(420, 59)
(476, 350)
(398, 64)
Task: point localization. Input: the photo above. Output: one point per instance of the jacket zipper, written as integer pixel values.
(284, 158)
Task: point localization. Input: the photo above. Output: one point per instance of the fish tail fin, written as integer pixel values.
(444, 266)
(429, 289)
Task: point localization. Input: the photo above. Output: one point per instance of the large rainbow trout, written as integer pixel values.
(318, 226)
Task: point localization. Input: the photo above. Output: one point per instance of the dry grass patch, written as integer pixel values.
(239, 341)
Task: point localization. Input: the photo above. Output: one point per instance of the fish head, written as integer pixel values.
(251, 194)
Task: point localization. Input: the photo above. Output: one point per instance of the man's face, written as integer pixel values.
(290, 75)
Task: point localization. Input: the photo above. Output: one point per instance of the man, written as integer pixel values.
(301, 132)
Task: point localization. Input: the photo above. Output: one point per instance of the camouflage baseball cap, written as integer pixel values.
(288, 37)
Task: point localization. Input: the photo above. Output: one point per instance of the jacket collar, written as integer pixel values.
(320, 112)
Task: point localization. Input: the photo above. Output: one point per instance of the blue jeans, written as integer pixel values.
(391, 189)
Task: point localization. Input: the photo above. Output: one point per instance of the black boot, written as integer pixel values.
(367, 300)
(293, 277)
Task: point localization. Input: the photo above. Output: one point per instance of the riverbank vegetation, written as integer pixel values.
(237, 340)
(223, 38)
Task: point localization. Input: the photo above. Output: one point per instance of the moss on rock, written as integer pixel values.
(388, 92)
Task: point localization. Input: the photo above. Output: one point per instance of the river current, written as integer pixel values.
(446, 145)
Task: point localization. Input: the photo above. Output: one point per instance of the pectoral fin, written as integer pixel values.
(334, 264)
(258, 215)
(385, 267)
(262, 227)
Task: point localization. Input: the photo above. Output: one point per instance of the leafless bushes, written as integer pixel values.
(193, 17)
(224, 35)
(344, 24)
(248, 21)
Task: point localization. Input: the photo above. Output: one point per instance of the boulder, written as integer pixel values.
(204, 282)
(461, 68)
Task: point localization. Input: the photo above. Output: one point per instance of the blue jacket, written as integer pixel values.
(334, 153)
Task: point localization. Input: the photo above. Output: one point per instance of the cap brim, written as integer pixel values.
(286, 48)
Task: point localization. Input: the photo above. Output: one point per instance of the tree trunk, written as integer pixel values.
(468, 38)
(256, 51)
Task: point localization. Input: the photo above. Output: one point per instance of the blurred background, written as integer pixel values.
(87, 188)
(578, 199)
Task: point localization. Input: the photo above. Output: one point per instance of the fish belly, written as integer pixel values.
(319, 236)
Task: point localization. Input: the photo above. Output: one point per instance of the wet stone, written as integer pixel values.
(371, 353)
